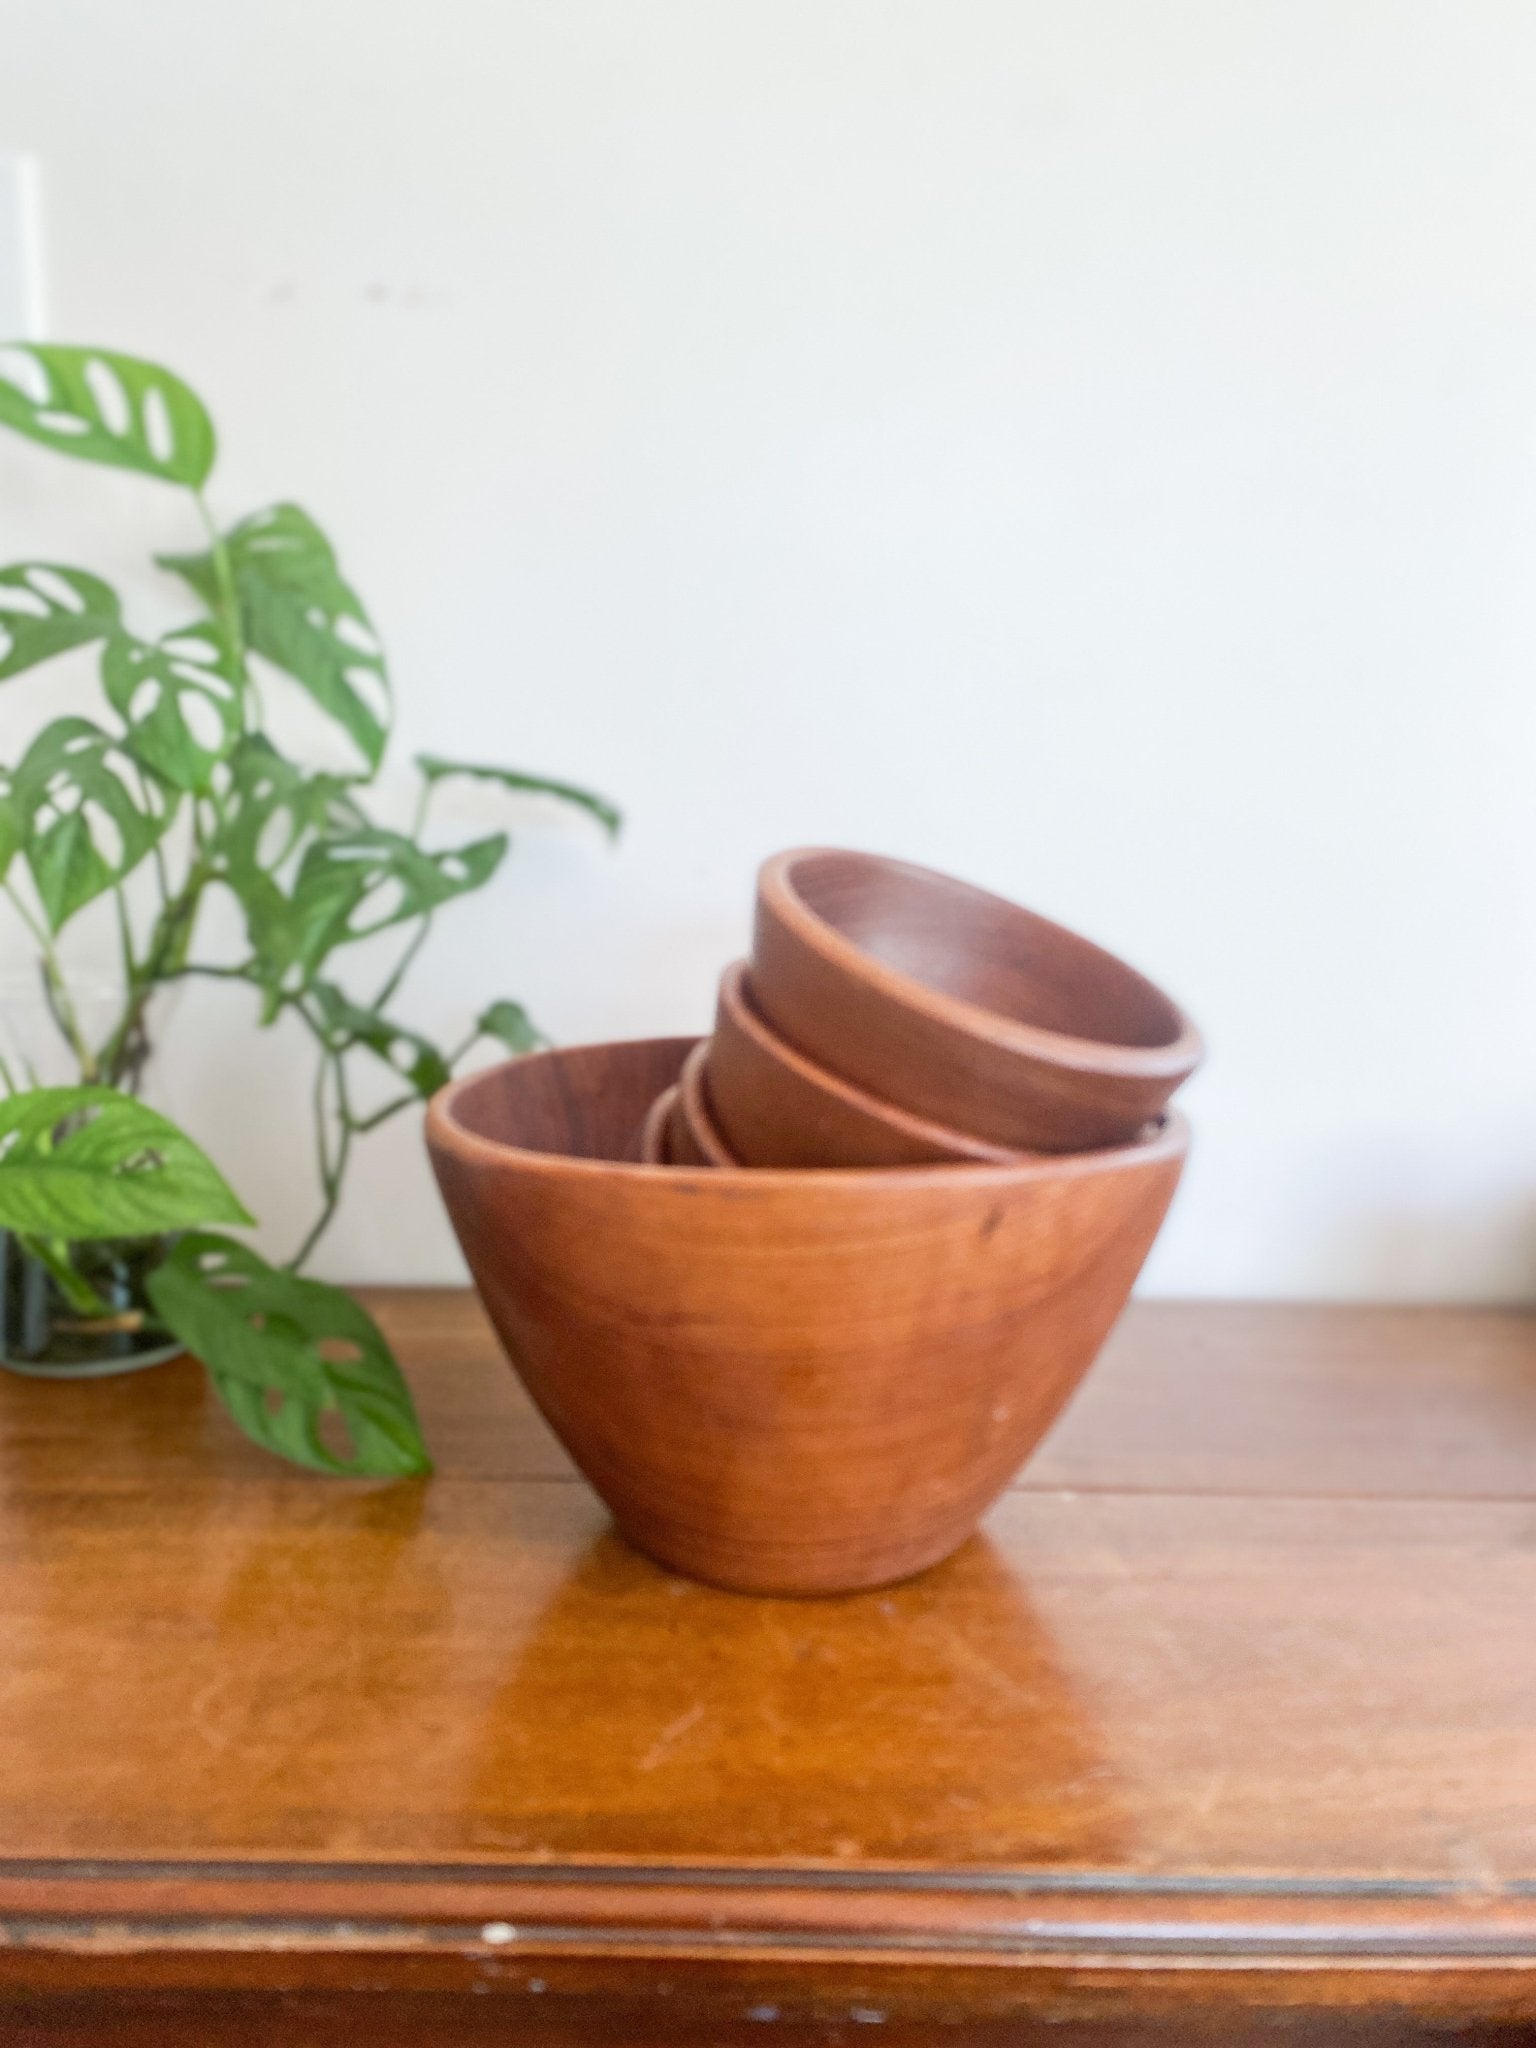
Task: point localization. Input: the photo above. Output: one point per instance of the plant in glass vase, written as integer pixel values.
(177, 793)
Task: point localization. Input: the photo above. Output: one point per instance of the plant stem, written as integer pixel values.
(125, 1050)
(165, 955)
(333, 1166)
(195, 967)
(465, 1045)
(423, 798)
(56, 988)
(156, 853)
(322, 1143)
(364, 1124)
(228, 607)
(403, 964)
(75, 1288)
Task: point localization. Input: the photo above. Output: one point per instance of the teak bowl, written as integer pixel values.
(656, 1130)
(782, 1382)
(697, 1139)
(774, 1107)
(960, 1007)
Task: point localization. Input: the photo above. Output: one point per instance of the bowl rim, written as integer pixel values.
(694, 1105)
(653, 1127)
(778, 894)
(446, 1131)
(736, 1008)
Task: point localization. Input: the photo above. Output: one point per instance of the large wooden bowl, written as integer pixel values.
(782, 1382)
(960, 1007)
(774, 1107)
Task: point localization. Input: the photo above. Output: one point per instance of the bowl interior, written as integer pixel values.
(983, 950)
(585, 1102)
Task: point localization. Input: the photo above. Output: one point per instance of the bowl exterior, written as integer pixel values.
(951, 1064)
(774, 1107)
(799, 1383)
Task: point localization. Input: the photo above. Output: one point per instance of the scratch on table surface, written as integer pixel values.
(671, 1735)
(1472, 1865)
(980, 1665)
(1217, 1784)
(208, 1724)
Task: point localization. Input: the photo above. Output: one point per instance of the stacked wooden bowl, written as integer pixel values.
(890, 1016)
(800, 1298)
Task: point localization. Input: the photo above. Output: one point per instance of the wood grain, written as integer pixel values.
(1225, 1729)
(960, 1007)
(396, 2019)
(783, 1382)
(777, 1108)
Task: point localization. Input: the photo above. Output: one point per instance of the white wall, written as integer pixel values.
(1085, 444)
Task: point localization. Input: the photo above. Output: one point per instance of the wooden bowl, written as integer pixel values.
(655, 1148)
(782, 1382)
(774, 1107)
(961, 1007)
(696, 1137)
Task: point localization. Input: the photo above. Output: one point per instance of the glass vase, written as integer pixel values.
(46, 1335)
(44, 1332)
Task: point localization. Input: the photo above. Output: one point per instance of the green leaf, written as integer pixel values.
(106, 408)
(46, 609)
(90, 1162)
(437, 770)
(81, 824)
(413, 1057)
(272, 806)
(10, 834)
(391, 879)
(299, 611)
(271, 809)
(511, 1024)
(283, 1352)
(352, 884)
(180, 699)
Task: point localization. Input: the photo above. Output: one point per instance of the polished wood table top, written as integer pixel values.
(1230, 1712)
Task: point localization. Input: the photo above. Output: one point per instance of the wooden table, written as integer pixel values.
(1225, 1730)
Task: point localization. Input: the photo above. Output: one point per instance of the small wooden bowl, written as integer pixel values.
(960, 1007)
(782, 1382)
(696, 1137)
(774, 1107)
(655, 1147)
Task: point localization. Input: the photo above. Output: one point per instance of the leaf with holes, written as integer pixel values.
(46, 609)
(396, 880)
(81, 1163)
(271, 810)
(272, 806)
(511, 1024)
(436, 770)
(180, 698)
(284, 1353)
(352, 884)
(299, 611)
(406, 1052)
(106, 408)
(82, 826)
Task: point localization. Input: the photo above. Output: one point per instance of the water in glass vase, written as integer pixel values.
(71, 1311)
(49, 1332)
